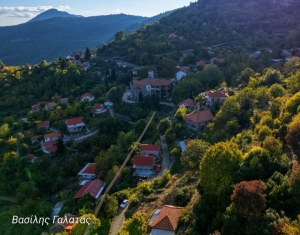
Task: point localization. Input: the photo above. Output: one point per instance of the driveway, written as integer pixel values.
(125, 97)
(117, 221)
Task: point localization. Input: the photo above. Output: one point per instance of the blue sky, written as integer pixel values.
(19, 11)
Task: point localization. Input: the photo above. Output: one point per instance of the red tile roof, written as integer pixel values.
(216, 94)
(167, 218)
(201, 62)
(90, 168)
(187, 141)
(152, 82)
(30, 155)
(43, 124)
(53, 134)
(149, 147)
(200, 116)
(188, 102)
(143, 160)
(51, 104)
(52, 149)
(35, 137)
(92, 187)
(220, 60)
(86, 95)
(48, 144)
(97, 106)
(74, 121)
(184, 68)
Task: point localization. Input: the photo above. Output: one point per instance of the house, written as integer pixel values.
(285, 52)
(151, 86)
(181, 59)
(58, 206)
(44, 125)
(134, 72)
(35, 139)
(212, 96)
(87, 97)
(52, 136)
(75, 124)
(198, 120)
(36, 107)
(255, 54)
(217, 60)
(181, 37)
(165, 220)
(185, 69)
(108, 104)
(49, 147)
(143, 165)
(172, 35)
(99, 108)
(64, 101)
(65, 224)
(50, 106)
(31, 157)
(150, 149)
(200, 63)
(183, 144)
(210, 52)
(180, 75)
(88, 172)
(288, 58)
(94, 188)
(150, 74)
(188, 103)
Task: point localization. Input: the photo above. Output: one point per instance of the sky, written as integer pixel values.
(20, 11)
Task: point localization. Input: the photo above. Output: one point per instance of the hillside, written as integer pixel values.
(51, 13)
(49, 39)
(206, 23)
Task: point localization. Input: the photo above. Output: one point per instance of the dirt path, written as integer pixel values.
(117, 221)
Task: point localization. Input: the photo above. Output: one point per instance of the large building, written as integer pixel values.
(151, 86)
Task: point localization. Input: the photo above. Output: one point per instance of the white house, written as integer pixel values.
(50, 106)
(99, 108)
(49, 147)
(143, 165)
(180, 75)
(75, 124)
(87, 97)
(88, 172)
(149, 149)
(108, 103)
(52, 136)
(211, 96)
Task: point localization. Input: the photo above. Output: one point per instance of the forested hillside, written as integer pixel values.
(235, 173)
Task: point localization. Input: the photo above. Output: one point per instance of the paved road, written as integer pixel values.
(10, 199)
(117, 221)
(166, 162)
(82, 138)
(125, 97)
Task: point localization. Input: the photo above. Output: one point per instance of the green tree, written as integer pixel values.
(218, 165)
(164, 125)
(180, 114)
(120, 36)
(293, 82)
(80, 228)
(137, 225)
(110, 206)
(26, 190)
(194, 152)
(277, 90)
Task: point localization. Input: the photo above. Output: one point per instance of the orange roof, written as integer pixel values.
(86, 95)
(35, 137)
(90, 168)
(149, 147)
(167, 218)
(51, 104)
(30, 155)
(200, 116)
(152, 82)
(74, 121)
(201, 62)
(188, 102)
(187, 141)
(143, 160)
(184, 68)
(48, 144)
(97, 106)
(216, 94)
(51, 135)
(65, 221)
(43, 124)
(92, 187)
(51, 149)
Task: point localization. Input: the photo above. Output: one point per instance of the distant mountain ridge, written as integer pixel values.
(51, 13)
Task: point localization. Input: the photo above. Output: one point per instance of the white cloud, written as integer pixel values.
(87, 11)
(26, 11)
(118, 10)
(22, 15)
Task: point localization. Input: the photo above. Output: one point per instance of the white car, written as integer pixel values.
(124, 203)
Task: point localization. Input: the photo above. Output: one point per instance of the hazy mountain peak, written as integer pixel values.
(52, 13)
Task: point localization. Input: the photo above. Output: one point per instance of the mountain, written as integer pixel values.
(51, 38)
(52, 13)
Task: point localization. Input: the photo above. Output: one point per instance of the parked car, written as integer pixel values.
(158, 168)
(124, 203)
